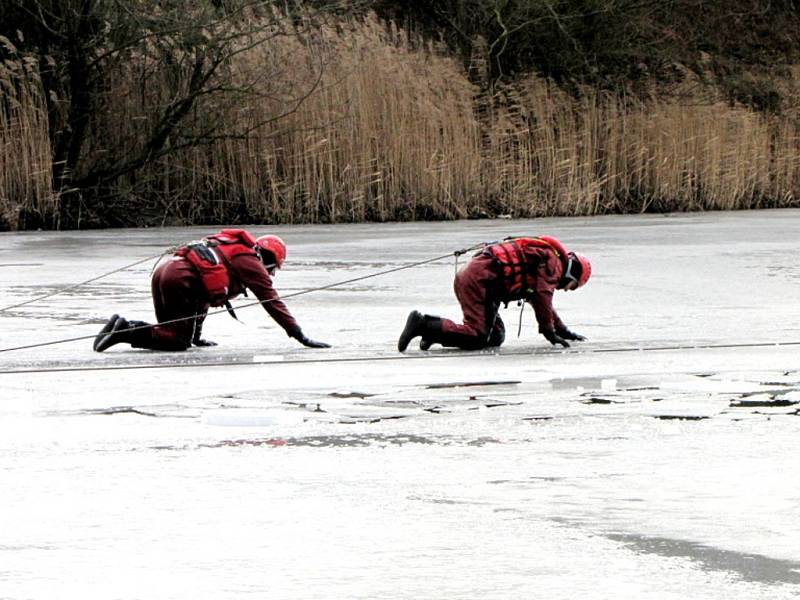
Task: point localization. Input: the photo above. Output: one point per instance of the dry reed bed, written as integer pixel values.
(25, 164)
(395, 131)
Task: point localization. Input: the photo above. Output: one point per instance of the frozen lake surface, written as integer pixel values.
(658, 459)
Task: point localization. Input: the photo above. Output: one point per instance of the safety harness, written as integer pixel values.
(211, 258)
(517, 272)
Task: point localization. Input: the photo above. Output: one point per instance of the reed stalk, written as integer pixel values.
(26, 194)
(396, 131)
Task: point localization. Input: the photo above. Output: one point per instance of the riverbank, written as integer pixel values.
(393, 128)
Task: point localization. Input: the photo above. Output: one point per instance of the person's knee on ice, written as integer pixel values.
(433, 334)
(497, 335)
(451, 338)
(435, 330)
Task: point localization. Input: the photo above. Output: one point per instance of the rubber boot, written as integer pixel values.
(104, 332)
(455, 339)
(414, 327)
(431, 332)
(111, 336)
(135, 333)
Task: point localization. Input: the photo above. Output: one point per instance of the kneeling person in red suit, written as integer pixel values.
(201, 275)
(528, 269)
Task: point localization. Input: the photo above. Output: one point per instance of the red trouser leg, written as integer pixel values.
(175, 296)
(472, 286)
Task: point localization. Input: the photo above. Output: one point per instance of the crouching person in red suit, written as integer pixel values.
(528, 269)
(201, 275)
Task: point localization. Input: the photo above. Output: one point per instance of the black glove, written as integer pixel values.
(569, 335)
(554, 338)
(308, 342)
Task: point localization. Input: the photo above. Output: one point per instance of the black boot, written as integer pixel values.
(112, 335)
(104, 332)
(431, 332)
(135, 333)
(413, 328)
(417, 324)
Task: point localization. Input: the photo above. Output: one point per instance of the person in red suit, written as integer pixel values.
(527, 269)
(201, 275)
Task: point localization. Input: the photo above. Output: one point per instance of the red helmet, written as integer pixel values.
(276, 248)
(585, 270)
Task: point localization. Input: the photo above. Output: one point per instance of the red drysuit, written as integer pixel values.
(178, 292)
(483, 284)
(528, 269)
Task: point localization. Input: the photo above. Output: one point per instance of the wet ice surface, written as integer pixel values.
(623, 467)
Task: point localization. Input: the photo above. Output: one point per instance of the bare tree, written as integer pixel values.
(185, 56)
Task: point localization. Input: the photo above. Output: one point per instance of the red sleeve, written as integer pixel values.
(252, 274)
(546, 316)
(548, 273)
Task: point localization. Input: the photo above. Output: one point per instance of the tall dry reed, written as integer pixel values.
(26, 194)
(394, 130)
(388, 134)
(610, 154)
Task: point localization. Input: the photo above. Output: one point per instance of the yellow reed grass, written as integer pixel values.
(394, 130)
(26, 195)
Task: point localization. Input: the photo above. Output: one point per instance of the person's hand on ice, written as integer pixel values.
(554, 338)
(566, 334)
(308, 342)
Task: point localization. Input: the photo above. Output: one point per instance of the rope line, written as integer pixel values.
(398, 356)
(77, 285)
(248, 305)
(454, 354)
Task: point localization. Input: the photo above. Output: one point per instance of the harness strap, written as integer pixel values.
(515, 267)
(230, 310)
(208, 251)
(221, 258)
(524, 270)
